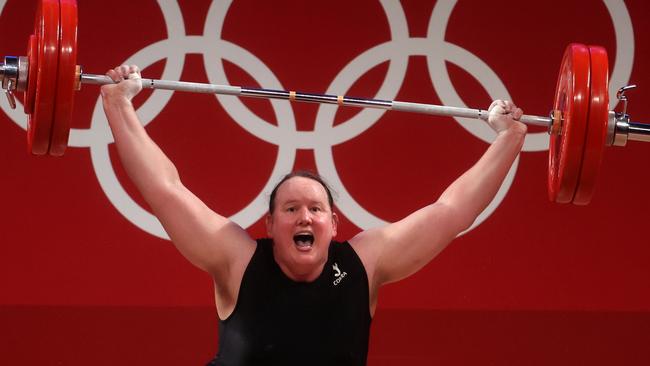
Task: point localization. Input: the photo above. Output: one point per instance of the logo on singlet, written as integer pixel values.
(338, 274)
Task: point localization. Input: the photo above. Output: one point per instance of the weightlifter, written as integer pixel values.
(298, 297)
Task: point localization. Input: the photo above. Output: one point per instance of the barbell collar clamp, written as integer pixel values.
(13, 72)
(78, 72)
(622, 129)
(625, 129)
(620, 95)
(555, 126)
(612, 118)
(13, 76)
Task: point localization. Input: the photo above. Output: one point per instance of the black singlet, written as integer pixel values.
(278, 321)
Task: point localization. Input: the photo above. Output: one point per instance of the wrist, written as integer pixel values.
(116, 101)
(516, 129)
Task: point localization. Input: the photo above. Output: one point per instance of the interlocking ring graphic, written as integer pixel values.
(325, 135)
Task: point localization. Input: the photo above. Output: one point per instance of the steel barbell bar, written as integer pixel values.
(340, 100)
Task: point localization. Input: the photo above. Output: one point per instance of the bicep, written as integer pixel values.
(398, 250)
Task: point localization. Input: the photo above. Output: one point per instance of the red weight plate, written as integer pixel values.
(32, 75)
(66, 78)
(596, 127)
(571, 98)
(47, 31)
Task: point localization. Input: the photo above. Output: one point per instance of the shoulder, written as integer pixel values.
(367, 245)
(263, 251)
(345, 254)
(342, 248)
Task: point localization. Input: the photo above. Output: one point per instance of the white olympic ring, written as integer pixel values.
(325, 135)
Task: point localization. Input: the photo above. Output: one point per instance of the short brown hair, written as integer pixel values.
(304, 174)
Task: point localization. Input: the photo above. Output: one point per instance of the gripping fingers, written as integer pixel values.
(114, 75)
(134, 72)
(124, 72)
(130, 73)
(505, 107)
(503, 114)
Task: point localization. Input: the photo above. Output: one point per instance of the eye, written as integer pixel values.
(316, 209)
(291, 209)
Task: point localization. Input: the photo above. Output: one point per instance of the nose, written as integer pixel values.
(304, 217)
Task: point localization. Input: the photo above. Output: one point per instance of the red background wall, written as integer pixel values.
(535, 283)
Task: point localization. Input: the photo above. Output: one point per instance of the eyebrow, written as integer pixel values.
(291, 202)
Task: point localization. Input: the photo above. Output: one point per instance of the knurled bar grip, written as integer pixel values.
(463, 112)
(314, 98)
(95, 79)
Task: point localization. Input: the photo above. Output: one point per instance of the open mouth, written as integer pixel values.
(303, 240)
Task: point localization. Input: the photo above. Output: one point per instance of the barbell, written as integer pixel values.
(580, 124)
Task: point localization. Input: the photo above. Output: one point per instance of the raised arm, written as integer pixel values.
(207, 239)
(395, 251)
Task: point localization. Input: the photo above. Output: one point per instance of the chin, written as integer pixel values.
(313, 256)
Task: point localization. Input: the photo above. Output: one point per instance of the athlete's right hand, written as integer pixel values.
(127, 79)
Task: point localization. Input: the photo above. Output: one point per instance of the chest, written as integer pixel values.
(277, 308)
(274, 318)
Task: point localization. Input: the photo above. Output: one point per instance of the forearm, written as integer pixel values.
(144, 162)
(470, 194)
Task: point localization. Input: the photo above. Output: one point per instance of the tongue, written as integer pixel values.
(301, 243)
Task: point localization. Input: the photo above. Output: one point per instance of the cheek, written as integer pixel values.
(277, 228)
(325, 224)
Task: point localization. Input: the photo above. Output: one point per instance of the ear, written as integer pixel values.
(335, 223)
(269, 224)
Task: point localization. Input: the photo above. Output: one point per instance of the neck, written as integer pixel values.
(301, 273)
